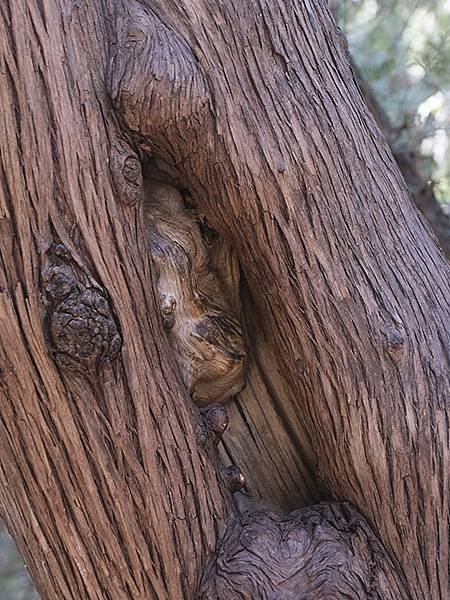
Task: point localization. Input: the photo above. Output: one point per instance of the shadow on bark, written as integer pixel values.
(325, 551)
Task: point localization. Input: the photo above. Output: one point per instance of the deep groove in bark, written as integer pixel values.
(250, 106)
(197, 275)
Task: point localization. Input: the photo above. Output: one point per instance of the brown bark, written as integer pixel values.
(323, 551)
(110, 479)
(104, 486)
(271, 137)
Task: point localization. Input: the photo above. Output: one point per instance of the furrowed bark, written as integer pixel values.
(109, 472)
(104, 486)
(254, 109)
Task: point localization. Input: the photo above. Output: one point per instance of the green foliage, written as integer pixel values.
(402, 49)
(15, 583)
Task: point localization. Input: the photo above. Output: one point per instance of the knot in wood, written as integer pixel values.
(395, 339)
(127, 174)
(59, 281)
(268, 555)
(84, 332)
(132, 170)
(156, 83)
(82, 329)
(215, 422)
(61, 251)
(233, 478)
(281, 166)
(168, 306)
(216, 419)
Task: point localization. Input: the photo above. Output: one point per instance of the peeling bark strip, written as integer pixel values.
(253, 108)
(326, 551)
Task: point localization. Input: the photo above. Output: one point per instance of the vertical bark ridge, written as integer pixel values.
(104, 486)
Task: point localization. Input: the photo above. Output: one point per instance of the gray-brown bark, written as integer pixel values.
(104, 486)
(111, 486)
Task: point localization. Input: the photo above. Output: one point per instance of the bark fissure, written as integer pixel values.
(359, 314)
(112, 487)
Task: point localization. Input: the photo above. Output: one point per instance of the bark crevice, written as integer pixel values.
(106, 486)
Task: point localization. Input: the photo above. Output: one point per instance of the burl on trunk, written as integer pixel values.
(197, 208)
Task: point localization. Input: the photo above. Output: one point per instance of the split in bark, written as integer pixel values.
(112, 486)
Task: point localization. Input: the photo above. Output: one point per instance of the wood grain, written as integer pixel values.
(110, 478)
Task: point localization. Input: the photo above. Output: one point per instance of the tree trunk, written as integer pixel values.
(194, 196)
(104, 486)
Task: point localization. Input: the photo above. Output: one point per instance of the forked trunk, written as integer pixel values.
(194, 196)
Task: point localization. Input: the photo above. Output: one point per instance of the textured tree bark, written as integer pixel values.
(110, 477)
(104, 485)
(323, 551)
(254, 108)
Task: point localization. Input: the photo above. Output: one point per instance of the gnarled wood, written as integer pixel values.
(326, 551)
(353, 292)
(206, 336)
(110, 482)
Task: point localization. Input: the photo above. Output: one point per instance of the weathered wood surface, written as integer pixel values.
(255, 110)
(195, 298)
(110, 482)
(103, 484)
(325, 551)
